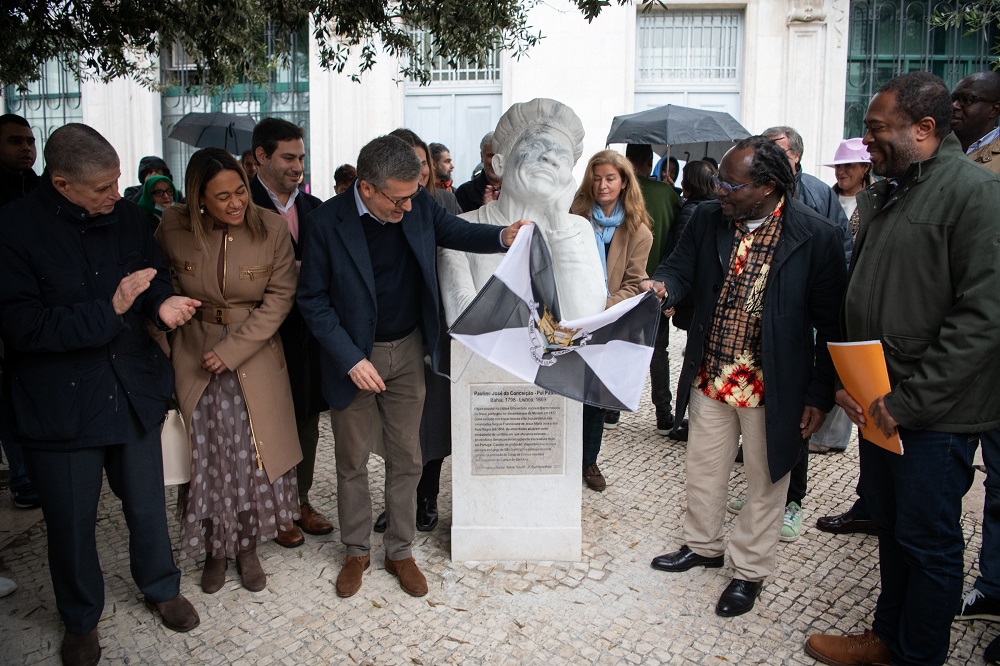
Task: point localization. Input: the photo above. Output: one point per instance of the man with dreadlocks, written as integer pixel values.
(763, 270)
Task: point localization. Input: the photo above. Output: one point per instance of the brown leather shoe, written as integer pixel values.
(410, 578)
(213, 574)
(177, 614)
(865, 649)
(81, 649)
(593, 478)
(349, 578)
(312, 521)
(251, 573)
(290, 538)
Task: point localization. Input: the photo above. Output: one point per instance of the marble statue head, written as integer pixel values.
(537, 144)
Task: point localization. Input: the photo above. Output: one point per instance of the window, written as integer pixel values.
(442, 72)
(688, 46)
(286, 95)
(47, 104)
(892, 37)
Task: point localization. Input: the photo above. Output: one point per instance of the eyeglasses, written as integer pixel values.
(398, 203)
(968, 99)
(727, 187)
(162, 193)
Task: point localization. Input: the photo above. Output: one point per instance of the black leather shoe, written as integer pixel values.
(992, 652)
(680, 431)
(738, 598)
(427, 514)
(685, 559)
(381, 523)
(846, 523)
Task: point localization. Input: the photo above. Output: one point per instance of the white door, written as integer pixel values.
(458, 120)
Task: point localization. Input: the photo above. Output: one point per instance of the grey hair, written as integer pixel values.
(77, 151)
(794, 138)
(387, 157)
(525, 116)
(486, 141)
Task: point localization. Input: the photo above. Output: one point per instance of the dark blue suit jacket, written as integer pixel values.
(336, 292)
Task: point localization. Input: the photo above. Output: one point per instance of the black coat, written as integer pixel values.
(470, 194)
(684, 310)
(75, 371)
(804, 292)
(301, 348)
(16, 184)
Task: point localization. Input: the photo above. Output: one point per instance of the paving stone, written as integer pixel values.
(610, 608)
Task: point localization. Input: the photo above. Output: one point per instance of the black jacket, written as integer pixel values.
(684, 309)
(804, 292)
(301, 348)
(16, 184)
(470, 194)
(75, 372)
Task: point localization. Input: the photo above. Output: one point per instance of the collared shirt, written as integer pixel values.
(989, 138)
(731, 368)
(287, 210)
(363, 210)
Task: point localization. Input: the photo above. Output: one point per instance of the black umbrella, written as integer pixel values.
(215, 130)
(678, 130)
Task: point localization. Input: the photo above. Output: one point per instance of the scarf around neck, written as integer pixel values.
(604, 231)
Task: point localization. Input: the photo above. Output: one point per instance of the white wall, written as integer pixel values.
(128, 116)
(344, 115)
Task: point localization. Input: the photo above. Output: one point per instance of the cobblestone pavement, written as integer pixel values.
(611, 608)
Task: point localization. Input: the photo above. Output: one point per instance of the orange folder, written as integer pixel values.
(862, 371)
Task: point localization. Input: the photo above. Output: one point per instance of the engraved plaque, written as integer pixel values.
(516, 429)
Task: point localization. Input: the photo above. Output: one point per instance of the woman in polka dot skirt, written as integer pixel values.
(231, 380)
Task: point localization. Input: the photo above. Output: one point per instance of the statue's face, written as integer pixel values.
(540, 166)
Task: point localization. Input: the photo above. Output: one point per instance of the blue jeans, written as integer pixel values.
(989, 556)
(916, 503)
(19, 480)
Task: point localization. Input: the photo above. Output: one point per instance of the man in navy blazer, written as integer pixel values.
(368, 291)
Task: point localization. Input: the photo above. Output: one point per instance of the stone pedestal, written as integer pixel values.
(516, 461)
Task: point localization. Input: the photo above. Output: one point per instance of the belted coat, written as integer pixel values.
(253, 300)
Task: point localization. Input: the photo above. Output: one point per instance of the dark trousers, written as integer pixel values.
(989, 556)
(308, 438)
(916, 502)
(69, 485)
(798, 480)
(659, 372)
(593, 433)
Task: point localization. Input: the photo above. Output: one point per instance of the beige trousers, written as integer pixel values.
(395, 414)
(713, 437)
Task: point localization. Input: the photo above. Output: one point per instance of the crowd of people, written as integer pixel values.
(257, 307)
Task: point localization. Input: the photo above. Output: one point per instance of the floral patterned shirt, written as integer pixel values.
(731, 367)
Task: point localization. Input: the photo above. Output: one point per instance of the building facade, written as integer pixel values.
(811, 64)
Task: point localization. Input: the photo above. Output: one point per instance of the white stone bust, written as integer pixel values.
(537, 144)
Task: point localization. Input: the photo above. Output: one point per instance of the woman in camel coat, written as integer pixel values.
(231, 379)
(609, 196)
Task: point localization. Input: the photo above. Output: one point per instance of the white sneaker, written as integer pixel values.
(6, 586)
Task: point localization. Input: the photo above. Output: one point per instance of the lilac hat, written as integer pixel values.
(850, 151)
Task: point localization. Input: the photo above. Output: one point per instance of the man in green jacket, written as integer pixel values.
(925, 280)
